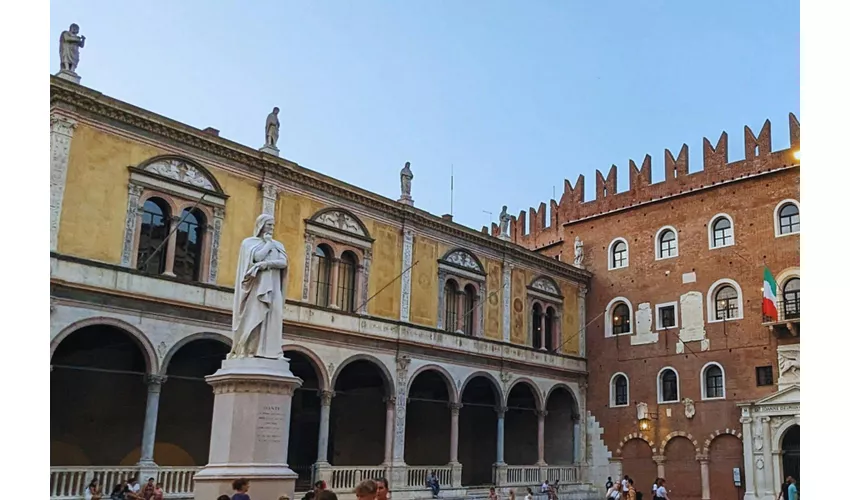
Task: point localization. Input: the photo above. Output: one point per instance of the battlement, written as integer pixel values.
(531, 230)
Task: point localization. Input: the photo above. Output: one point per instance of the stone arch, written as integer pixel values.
(781, 430)
(341, 219)
(500, 395)
(561, 385)
(151, 359)
(635, 435)
(224, 339)
(535, 391)
(714, 435)
(322, 371)
(454, 396)
(388, 378)
(149, 165)
(683, 434)
(463, 259)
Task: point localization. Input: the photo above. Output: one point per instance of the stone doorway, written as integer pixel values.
(791, 453)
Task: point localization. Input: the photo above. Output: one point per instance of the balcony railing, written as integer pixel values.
(787, 310)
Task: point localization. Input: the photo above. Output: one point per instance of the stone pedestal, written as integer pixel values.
(68, 75)
(406, 199)
(270, 150)
(250, 429)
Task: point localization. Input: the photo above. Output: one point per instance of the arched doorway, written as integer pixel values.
(791, 454)
(560, 427)
(521, 426)
(97, 397)
(428, 430)
(358, 414)
(725, 454)
(638, 464)
(305, 418)
(184, 421)
(478, 430)
(682, 469)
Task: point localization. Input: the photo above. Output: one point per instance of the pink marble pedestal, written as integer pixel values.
(250, 429)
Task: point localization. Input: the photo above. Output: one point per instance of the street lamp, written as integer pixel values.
(645, 417)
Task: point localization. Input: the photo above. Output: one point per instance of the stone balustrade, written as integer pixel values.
(67, 483)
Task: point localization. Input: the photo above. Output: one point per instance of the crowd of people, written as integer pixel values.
(126, 490)
(625, 489)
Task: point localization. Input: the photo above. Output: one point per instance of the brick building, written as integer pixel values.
(674, 318)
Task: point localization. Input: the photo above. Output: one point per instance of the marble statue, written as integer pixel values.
(272, 128)
(504, 221)
(258, 298)
(70, 43)
(579, 253)
(406, 178)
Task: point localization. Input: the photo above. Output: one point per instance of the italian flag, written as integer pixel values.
(768, 303)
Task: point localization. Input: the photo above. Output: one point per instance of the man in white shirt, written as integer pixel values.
(625, 484)
(661, 491)
(544, 488)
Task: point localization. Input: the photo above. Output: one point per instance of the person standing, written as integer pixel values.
(240, 486)
(366, 490)
(529, 495)
(383, 489)
(609, 484)
(661, 491)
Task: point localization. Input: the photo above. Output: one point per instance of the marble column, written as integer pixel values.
(61, 133)
(703, 471)
(767, 458)
(324, 426)
(749, 466)
(132, 226)
(582, 320)
(500, 435)
(406, 262)
(154, 383)
(543, 324)
(332, 298)
(577, 439)
(171, 247)
(218, 222)
(389, 430)
(541, 434)
(659, 465)
(506, 302)
(455, 409)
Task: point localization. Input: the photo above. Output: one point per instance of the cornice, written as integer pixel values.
(76, 98)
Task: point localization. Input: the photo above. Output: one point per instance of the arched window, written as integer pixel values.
(549, 329)
(712, 379)
(721, 233)
(791, 298)
(537, 326)
(668, 386)
(667, 245)
(621, 320)
(619, 390)
(726, 303)
(322, 285)
(188, 252)
(346, 282)
(451, 293)
(619, 254)
(154, 231)
(470, 296)
(789, 218)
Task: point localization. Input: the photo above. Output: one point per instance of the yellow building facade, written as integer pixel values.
(408, 329)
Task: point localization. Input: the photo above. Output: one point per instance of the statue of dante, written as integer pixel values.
(579, 253)
(406, 178)
(258, 299)
(272, 128)
(504, 221)
(70, 43)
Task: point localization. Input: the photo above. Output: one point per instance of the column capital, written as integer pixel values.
(500, 411)
(455, 408)
(765, 419)
(702, 459)
(390, 400)
(157, 380)
(541, 413)
(659, 459)
(746, 420)
(326, 397)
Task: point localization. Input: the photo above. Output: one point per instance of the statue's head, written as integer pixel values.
(74, 28)
(407, 164)
(276, 110)
(264, 225)
(505, 208)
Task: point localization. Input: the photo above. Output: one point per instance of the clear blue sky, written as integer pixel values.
(517, 95)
